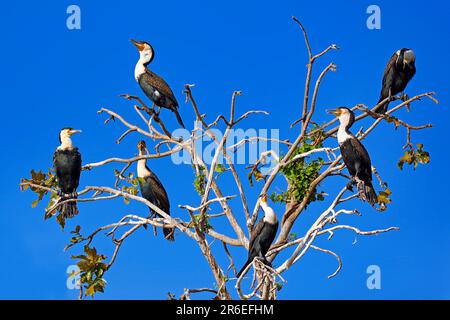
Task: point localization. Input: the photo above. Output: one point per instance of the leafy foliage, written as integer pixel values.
(76, 238)
(414, 157)
(133, 183)
(133, 190)
(61, 220)
(279, 285)
(40, 178)
(277, 197)
(200, 181)
(92, 269)
(384, 198)
(317, 135)
(301, 173)
(257, 174)
(292, 236)
(220, 168)
(202, 222)
(49, 181)
(391, 119)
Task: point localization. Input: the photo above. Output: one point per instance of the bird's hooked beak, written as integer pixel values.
(139, 45)
(73, 131)
(335, 112)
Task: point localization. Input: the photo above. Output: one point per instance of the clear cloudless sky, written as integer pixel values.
(53, 77)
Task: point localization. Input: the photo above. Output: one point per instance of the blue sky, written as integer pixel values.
(53, 77)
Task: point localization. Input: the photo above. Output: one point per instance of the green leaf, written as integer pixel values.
(414, 157)
(383, 198)
(80, 257)
(392, 119)
(301, 173)
(220, 168)
(200, 182)
(91, 252)
(90, 291)
(42, 179)
(258, 175)
(84, 266)
(92, 270)
(61, 220)
(250, 178)
(279, 286)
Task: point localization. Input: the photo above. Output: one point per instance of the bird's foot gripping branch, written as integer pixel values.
(294, 183)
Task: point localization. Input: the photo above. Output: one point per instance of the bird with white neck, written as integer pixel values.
(262, 235)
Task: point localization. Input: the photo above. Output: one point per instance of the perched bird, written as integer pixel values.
(153, 190)
(154, 87)
(398, 72)
(355, 155)
(262, 235)
(67, 165)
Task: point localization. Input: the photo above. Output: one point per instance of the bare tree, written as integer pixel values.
(307, 162)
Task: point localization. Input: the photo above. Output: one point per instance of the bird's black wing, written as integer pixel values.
(254, 247)
(158, 90)
(256, 232)
(77, 165)
(406, 74)
(388, 77)
(411, 71)
(365, 171)
(154, 191)
(162, 194)
(357, 159)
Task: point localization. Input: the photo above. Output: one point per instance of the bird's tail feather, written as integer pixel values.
(180, 121)
(367, 190)
(381, 99)
(382, 108)
(244, 267)
(169, 234)
(68, 209)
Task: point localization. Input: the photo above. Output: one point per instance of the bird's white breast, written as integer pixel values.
(142, 170)
(269, 215)
(343, 135)
(139, 70)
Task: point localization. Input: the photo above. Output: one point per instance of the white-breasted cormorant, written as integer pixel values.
(355, 155)
(262, 235)
(67, 165)
(153, 190)
(398, 72)
(154, 87)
